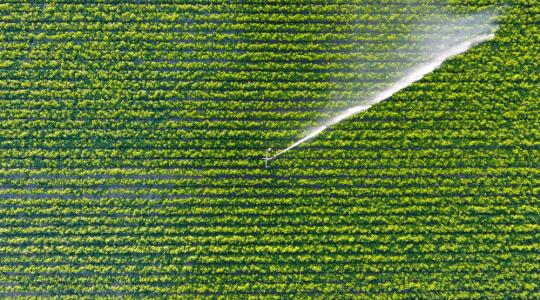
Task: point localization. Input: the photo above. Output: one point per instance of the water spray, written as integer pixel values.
(410, 77)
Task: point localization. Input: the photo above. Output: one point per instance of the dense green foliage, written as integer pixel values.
(131, 138)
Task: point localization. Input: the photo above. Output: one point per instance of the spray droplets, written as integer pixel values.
(447, 39)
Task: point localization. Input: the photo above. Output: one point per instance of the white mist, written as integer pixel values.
(456, 42)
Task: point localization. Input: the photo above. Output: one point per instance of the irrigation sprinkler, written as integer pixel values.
(267, 158)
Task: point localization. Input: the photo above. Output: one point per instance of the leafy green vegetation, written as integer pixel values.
(132, 132)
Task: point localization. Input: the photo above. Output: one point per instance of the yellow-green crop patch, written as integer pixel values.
(132, 132)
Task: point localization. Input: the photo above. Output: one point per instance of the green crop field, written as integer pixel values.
(132, 132)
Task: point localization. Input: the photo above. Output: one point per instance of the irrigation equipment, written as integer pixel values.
(267, 158)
